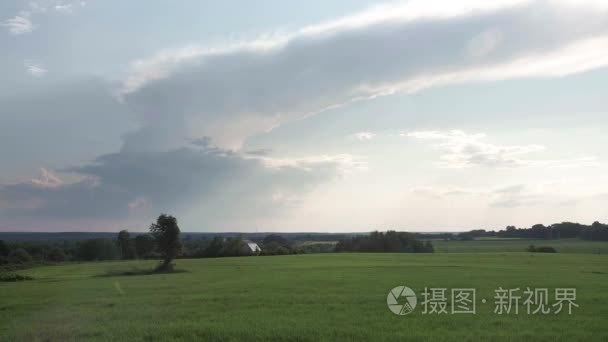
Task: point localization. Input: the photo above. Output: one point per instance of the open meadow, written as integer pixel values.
(485, 245)
(302, 298)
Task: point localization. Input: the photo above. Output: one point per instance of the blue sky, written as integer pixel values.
(311, 116)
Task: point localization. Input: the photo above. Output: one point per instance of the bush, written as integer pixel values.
(164, 267)
(541, 249)
(14, 277)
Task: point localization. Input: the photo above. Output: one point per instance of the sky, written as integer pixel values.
(319, 116)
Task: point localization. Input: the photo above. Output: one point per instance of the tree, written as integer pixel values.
(4, 250)
(97, 249)
(144, 245)
(379, 242)
(166, 233)
(274, 248)
(56, 254)
(213, 249)
(234, 246)
(274, 244)
(428, 247)
(124, 243)
(19, 256)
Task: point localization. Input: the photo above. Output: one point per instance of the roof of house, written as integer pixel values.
(253, 246)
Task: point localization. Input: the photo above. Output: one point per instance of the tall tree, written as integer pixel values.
(166, 233)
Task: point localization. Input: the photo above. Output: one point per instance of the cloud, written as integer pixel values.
(196, 106)
(218, 185)
(68, 7)
(363, 136)
(34, 69)
(238, 90)
(61, 6)
(19, 24)
(58, 123)
(506, 196)
(467, 150)
(484, 42)
(47, 180)
(551, 193)
(209, 185)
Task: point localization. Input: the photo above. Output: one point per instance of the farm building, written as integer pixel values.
(253, 247)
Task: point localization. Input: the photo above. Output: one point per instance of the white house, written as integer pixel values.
(253, 246)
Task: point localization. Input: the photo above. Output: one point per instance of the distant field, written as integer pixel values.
(493, 244)
(487, 245)
(308, 243)
(300, 298)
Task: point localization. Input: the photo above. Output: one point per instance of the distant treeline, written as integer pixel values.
(211, 245)
(594, 232)
(218, 246)
(389, 242)
(143, 246)
(62, 236)
(58, 251)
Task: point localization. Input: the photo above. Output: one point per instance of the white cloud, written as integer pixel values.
(343, 163)
(34, 69)
(484, 42)
(235, 91)
(514, 195)
(364, 136)
(165, 62)
(62, 6)
(578, 57)
(46, 180)
(22, 23)
(19, 24)
(467, 150)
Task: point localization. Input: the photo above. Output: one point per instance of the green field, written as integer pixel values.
(300, 298)
(486, 245)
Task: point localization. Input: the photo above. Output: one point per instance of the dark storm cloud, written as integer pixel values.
(218, 185)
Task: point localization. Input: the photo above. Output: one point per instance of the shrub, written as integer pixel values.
(14, 277)
(541, 249)
(164, 267)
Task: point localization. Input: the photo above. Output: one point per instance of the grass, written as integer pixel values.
(487, 245)
(299, 298)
